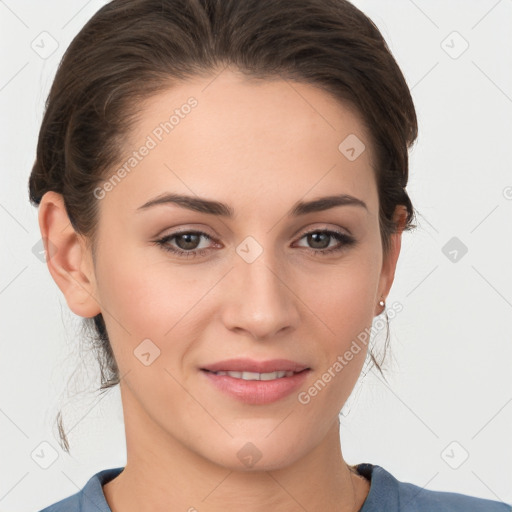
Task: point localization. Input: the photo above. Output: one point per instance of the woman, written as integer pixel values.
(221, 190)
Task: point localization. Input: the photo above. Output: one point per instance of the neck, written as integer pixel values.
(162, 474)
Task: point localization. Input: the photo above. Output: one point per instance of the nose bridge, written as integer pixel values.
(262, 303)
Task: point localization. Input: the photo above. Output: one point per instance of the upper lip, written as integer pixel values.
(250, 365)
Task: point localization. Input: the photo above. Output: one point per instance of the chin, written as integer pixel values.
(257, 454)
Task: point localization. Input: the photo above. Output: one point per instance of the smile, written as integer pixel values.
(257, 376)
(256, 388)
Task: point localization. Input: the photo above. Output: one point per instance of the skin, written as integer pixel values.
(258, 146)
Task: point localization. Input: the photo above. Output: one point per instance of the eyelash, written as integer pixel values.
(346, 241)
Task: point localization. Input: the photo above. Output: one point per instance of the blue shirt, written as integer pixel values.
(387, 494)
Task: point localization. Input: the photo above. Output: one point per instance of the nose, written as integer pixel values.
(260, 300)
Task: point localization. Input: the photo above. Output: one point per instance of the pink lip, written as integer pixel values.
(250, 365)
(256, 392)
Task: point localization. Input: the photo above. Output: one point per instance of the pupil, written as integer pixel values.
(314, 239)
(188, 243)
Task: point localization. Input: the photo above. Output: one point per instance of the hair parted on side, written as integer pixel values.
(132, 49)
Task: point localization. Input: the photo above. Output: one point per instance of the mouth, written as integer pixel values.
(252, 367)
(256, 375)
(256, 382)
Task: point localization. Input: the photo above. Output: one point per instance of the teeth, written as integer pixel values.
(257, 376)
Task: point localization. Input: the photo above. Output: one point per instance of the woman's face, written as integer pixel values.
(252, 284)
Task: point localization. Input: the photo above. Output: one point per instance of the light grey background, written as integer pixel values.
(450, 392)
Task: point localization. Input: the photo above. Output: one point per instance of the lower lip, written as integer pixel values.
(257, 392)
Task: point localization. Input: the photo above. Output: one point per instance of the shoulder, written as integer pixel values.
(90, 498)
(413, 497)
(70, 504)
(388, 493)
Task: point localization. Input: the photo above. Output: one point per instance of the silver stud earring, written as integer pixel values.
(381, 303)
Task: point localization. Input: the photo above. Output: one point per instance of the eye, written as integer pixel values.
(320, 241)
(187, 243)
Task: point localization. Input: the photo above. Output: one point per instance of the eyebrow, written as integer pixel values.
(221, 209)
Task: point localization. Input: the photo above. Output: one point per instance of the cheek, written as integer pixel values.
(342, 295)
(146, 292)
(347, 320)
(144, 296)
(341, 299)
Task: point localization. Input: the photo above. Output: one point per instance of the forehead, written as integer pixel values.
(229, 136)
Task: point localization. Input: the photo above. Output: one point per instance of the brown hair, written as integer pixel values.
(132, 49)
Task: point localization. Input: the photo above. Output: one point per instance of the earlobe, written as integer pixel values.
(389, 264)
(67, 256)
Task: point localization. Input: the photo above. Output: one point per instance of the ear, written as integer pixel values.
(387, 275)
(68, 258)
